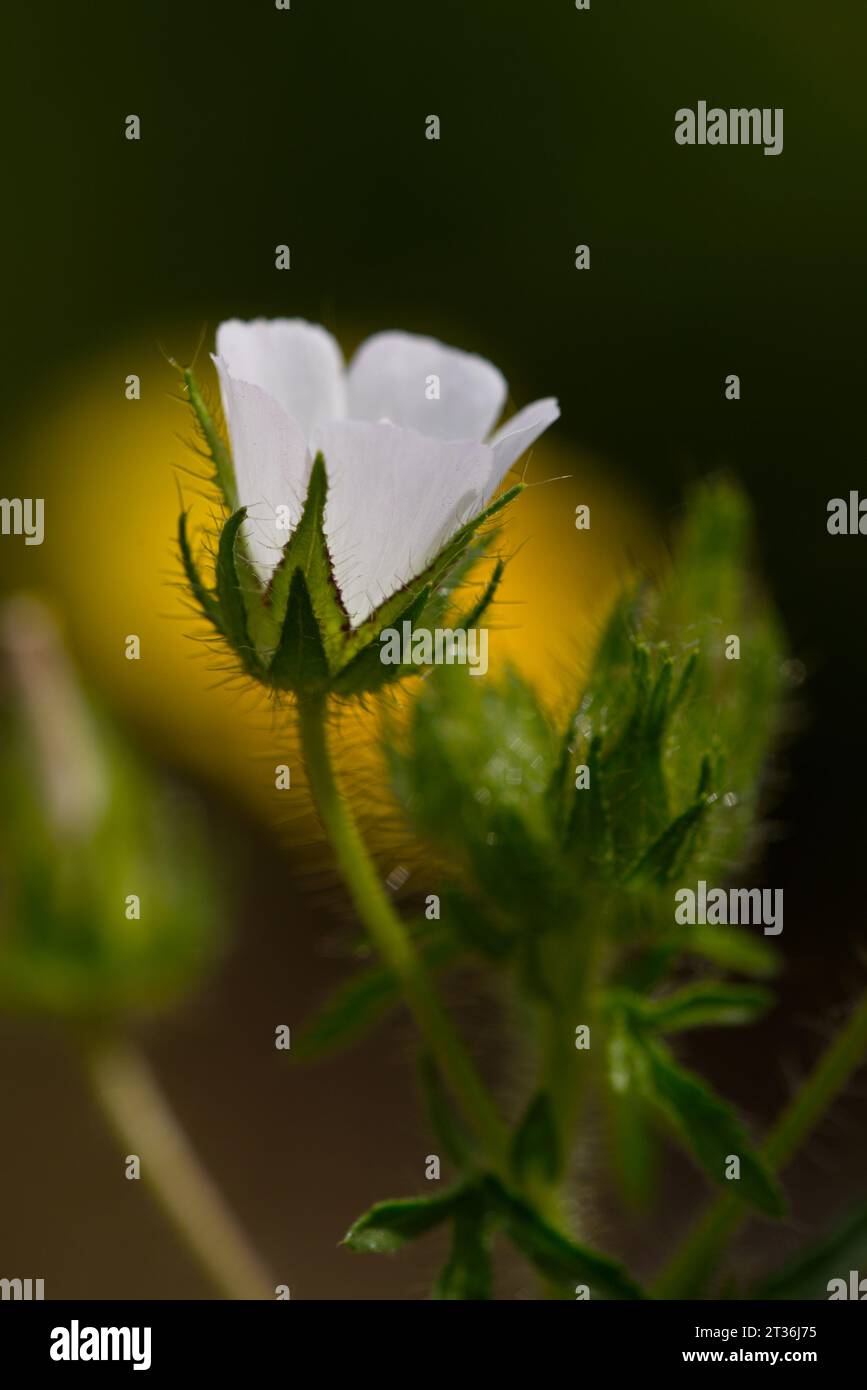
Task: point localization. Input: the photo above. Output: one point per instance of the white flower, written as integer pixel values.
(401, 431)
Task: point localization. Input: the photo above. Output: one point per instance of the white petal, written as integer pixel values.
(299, 364)
(393, 374)
(514, 437)
(394, 498)
(272, 467)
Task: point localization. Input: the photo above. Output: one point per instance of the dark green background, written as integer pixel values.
(307, 127)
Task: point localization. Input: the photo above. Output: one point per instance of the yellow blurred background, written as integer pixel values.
(114, 473)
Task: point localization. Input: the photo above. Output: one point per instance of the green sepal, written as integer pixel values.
(233, 610)
(481, 606)
(300, 663)
(307, 551)
(224, 473)
(325, 654)
(203, 596)
(367, 672)
(433, 576)
(443, 595)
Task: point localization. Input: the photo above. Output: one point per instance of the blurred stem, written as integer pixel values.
(688, 1272)
(137, 1111)
(391, 940)
(565, 1067)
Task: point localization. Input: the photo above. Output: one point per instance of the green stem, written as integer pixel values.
(566, 1067)
(562, 1067)
(138, 1113)
(688, 1272)
(391, 940)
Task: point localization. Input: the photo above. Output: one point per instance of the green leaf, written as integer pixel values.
(536, 1145)
(728, 948)
(232, 608)
(201, 594)
(389, 1225)
(360, 1004)
(558, 1257)
(809, 1273)
(299, 663)
(352, 1011)
(711, 1130)
(467, 1274)
(709, 1004)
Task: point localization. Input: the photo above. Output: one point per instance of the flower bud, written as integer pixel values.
(105, 900)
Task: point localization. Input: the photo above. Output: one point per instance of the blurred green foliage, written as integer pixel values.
(672, 737)
(72, 943)
(561, 850)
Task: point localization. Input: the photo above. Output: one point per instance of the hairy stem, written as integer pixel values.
(138, 1113)
(392, 942)
(565, 1067)
(687, 1273)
